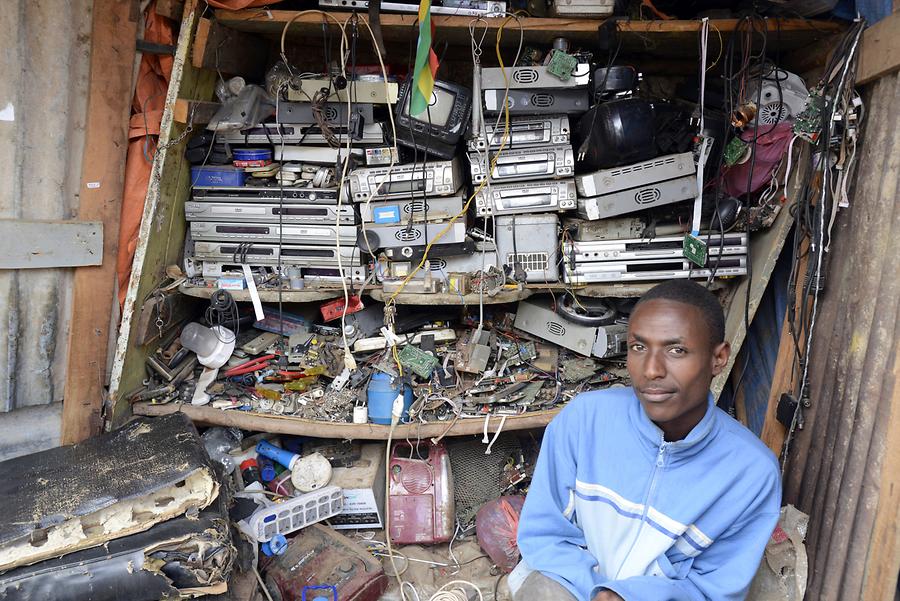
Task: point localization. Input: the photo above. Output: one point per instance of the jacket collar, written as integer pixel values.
(652, 436)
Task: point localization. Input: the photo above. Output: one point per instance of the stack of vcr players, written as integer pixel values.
(299, 228)
(412, 206)
(533, 177)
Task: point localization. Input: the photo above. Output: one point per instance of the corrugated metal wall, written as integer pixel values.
(843, 467)
(44, 67)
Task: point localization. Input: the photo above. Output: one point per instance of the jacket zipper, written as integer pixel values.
(660, 462)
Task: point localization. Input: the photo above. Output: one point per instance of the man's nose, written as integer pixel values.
(654, 367)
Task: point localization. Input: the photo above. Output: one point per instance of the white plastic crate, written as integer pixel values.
(293, 514)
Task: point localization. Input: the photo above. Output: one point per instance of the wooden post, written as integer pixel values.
(774, 432)
(113, 38)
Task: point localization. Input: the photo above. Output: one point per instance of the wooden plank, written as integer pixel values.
(161, 237)
(783, 378)
(281, 424)
(765, 248)
(268, 296)
(656, 37)
(43, 244)
(113, 35)
(172, 9)
(883, 561)
(879, 51)
(197, 112)
(228, 51)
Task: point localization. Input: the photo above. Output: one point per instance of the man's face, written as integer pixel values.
(672, 361)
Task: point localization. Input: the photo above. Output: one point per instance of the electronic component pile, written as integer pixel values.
(521, 358)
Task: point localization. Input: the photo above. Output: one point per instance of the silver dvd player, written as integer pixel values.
(549, 162)
(538, 102)
(286, 195)
(414, 235)
(651, 248)
(435, 178)
(581, 8)
(533, 78)
(335, 113)
(280, 133)
(539, 319)
(320, 155)
(607, 181)
(375, 92)
(253, 212)
(269, 254)
(213, 231)
(440, 267)
(636, 199)
(214, 269)
(469, 8)
(526, 197)
(652, 269)
(524, 132)
(390, 212)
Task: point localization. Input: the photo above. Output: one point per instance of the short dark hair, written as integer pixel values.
(695, 295)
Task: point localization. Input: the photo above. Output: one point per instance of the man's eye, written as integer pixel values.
(677, 350)
(637, 347)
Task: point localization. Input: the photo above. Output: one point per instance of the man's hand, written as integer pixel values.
(607, 595)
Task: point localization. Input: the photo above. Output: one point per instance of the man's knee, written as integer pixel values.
(538, 587)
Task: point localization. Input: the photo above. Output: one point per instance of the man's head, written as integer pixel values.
(676, 345)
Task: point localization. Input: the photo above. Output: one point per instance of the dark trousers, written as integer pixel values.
(538, 587)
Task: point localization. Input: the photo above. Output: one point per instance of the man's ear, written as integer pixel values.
(721, 353)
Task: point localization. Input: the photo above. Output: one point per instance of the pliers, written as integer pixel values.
(253, 365)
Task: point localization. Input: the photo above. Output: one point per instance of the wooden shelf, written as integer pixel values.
(645, 36)
(280, 424)
(267, 296)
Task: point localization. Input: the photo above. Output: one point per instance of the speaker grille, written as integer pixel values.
(525, 76)
(647, 195)
(556, 328)
(542, 100)
(415, 206)
(330, 113)
(407, 235)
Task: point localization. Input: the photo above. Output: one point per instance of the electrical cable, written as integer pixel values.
(392, 299)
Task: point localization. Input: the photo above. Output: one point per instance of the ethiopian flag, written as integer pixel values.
(426, 63)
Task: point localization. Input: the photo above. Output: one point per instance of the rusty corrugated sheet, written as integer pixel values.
(43, 98)
(836, 464)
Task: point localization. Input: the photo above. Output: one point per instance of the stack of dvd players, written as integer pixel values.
(530, 182)
(589, 261)
(406, 208)
(305, 230)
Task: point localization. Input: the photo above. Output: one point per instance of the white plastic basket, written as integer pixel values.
(293, 514)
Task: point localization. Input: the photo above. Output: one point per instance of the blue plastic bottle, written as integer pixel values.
(382, 391)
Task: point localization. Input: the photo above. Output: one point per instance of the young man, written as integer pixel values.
(651, 493)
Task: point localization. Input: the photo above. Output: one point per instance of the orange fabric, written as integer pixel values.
(154, 74)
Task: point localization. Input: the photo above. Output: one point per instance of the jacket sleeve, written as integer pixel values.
(548, 537)
(724, 570)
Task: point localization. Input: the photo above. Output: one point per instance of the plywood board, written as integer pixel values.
(43, 244)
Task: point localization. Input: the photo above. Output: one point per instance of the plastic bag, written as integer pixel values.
(496, 526)
(218, 442)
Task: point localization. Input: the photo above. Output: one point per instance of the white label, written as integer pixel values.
(93, 185)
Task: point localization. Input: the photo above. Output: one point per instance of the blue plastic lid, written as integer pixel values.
(276, 546)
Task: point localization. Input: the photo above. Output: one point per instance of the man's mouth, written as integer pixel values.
(656, 395)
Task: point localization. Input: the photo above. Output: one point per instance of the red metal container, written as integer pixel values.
(319, 556)
(421, 505)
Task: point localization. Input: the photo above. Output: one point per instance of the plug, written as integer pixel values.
(397, 409)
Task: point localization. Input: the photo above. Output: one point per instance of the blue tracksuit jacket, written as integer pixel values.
(612, 505)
